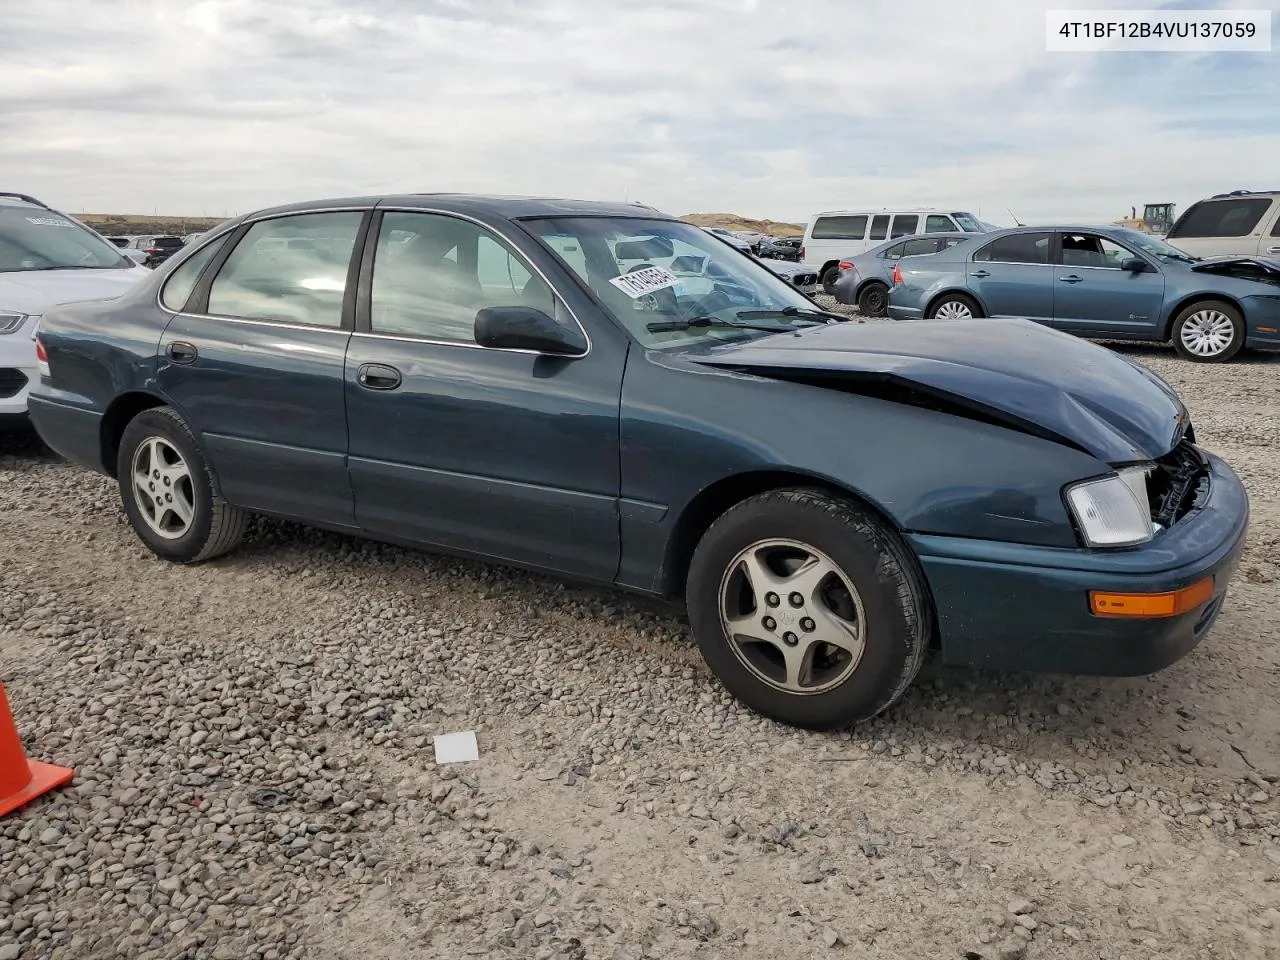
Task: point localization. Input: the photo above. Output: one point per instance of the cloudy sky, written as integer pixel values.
(770, 108)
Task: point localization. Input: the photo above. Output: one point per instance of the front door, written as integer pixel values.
(1094, 297)
(500, 453)
(1012, 276)
(254, 363)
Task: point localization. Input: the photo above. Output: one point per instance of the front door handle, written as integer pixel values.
(1273, 249)
(378, 376)
(181, 352)
(1071, 278)
(980, 274)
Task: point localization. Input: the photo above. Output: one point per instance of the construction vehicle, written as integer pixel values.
(1156, 218)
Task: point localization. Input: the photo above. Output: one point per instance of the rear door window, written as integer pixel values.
(904, 224)
(918, 248)
(894, 252)
(1275, 231)
(879, 227)
(1016, 248)
(290, 269)
(840, 228)
(1221, 218)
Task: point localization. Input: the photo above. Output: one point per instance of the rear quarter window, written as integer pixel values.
(840, 228)
(177, 289)
(1221, 218)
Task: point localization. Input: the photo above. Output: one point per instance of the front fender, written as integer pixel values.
(686, 427)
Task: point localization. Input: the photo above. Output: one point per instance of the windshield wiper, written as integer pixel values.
(693, 323)
(823, 315)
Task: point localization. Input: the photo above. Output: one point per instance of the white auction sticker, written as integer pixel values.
(637, 284)
(49, 222)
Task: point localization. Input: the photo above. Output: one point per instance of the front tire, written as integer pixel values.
(1210, 331)
(808, 608)
(168, 492)
(873, 300)
(954, 306)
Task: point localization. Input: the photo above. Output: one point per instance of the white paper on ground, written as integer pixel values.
(457, 747)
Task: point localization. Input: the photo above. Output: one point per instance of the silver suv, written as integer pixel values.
(1243, 223)
(46, 259)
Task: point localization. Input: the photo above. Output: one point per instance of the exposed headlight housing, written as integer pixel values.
(11, 322)
(1113, 511)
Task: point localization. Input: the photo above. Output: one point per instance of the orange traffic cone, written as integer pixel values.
(22, 780)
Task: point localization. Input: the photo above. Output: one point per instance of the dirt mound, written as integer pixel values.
(733, 221)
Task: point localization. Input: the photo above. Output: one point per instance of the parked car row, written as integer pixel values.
(46, 258)
(614, 395)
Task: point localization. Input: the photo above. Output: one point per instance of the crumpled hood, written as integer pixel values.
(35, 291)
(1013, 371)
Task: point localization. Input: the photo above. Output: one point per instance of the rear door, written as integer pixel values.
(1094, 297)
(254, 362)
(1231, 226)
(1012, 276)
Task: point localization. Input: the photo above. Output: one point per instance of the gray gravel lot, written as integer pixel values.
(252, 743)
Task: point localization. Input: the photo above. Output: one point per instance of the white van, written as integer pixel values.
(1243, 223)
(839, 234)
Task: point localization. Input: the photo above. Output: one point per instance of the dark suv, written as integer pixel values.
(157, 249)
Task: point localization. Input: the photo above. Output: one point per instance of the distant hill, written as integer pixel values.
(125, 225)
(733, 221)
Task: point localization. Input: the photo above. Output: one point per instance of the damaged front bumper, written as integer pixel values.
(1016, 607)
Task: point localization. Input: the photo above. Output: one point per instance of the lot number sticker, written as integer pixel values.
(636, 285)
(49, 222)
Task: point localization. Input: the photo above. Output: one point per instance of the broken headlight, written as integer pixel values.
(1113, 511)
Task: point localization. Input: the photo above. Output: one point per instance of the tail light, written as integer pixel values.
(845, 265)
(153, 250)
(897, 275)
(802, 251)
(42, 359)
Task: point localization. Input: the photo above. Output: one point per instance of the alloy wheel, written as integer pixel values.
(162, 488)
(1207, 333)
(953, 310)
(792, 616)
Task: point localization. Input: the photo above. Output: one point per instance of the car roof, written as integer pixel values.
(871, 211)
(509, 207)
(1109, 229)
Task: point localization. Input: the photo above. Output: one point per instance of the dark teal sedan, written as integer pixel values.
(602, 392)
(1100, 282)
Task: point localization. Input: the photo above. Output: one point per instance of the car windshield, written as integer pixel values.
(32, 238)
(1157, 247)
(968, 222)
(663, 273)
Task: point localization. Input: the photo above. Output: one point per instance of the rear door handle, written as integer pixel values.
(980, 274)
(181, 352)
(1273, 249)
(378, 376)
(1072, 278)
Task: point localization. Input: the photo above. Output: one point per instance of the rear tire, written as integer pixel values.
(829, 278)
(953, 306)
(779, 575)
(873, 300)
(168, 491)
(1210, 331)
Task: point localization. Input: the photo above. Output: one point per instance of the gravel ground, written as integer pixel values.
(254, 775)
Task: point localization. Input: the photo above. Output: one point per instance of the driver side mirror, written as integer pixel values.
(524, 328)
(1135, 265)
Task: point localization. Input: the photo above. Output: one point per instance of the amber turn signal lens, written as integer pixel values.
(1172, 604)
